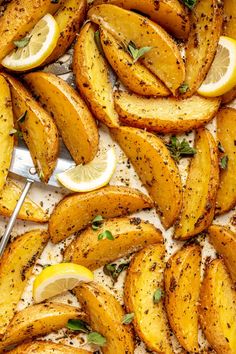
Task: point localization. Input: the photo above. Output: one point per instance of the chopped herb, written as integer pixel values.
(113, 271)
(183, 88)
(106, 234)
(98, 42)
(97, 222)
(23, 42)
(135, 52)
(189, 3)
(224, 162)
(22, 117)
(54, 1)
(179, 149)
(128, 318)
(220, 147)
(158, 294)
(96, 338)
(16, 132)
(78, 325)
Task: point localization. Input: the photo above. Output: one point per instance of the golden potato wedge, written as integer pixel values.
(6, 126)
(201, 188)
(38, 320)
(229, 26)
(224, 242)
(45, 347)
(217, 310)
(29, 211)
(156, 169)
(39, 130)
(229, 96)
(130, 235)
(19, 18)
(206, 22)
(169, 14)
(135, 76)
(92, 77)
(226, 132)
(165, 115)
(71, 115)
(15, 269)
(76, 211)
(144, 278)
(182, 288)
(105, 317)
(163, 60)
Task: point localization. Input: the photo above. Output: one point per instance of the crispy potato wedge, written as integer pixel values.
(71, 115)
(229, 96)
(130, 235)
(135, 76)
(93, 78)
(226, 132)
(144, 277)
(76, 211)
(39, 130)
(6, 126)
(165, 115)
(163, 60)
(23, 252)
(105, 317)
(38, 320)
(169, 14)
(201, 188)
(29, 211)
(156, 169)
(224, 242)
(217, 310)
(182, 288)
(206, 22)
(22, 15)
(229, 25)
(44, 347)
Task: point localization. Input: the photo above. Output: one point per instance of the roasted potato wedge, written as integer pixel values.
(130, 235)
(38, 320)
(76, 211)
(182, 288)
(201, 188)
(44, 347)
(29, 211)
(165, 115)
(170, 15)
(15, 269)
(206, 22)
(163, 59)
(224, 242)
(226, 132)
(38, 128)
(92, 77)
(156, 169)
(229, 96)
(144, 277)
(229, 26)
(105, 317)
(135, 76)
(217, 308)
(71, 115)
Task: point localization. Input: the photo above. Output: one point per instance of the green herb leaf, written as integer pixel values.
(113, 271)
(190, 3)
(23, 42)
(220, 147)
(136, 53)
(16, 132)
(224, 162)
(106, 234)
(97, 222)
(158, 294)
(98, 42)
(96, 338)
(128, 318)
(78, 325)
(183, 88)
(22, 117)
(179, 149)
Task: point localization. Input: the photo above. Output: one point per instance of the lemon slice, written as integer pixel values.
(222, 74)
(93, 175)
(40, 43)
(58, 278)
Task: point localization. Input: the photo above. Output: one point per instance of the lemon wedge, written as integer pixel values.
(222, 74)
(33, 49)
(56, 279)
(93, 175)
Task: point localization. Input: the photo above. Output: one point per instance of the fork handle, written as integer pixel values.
(7, 233)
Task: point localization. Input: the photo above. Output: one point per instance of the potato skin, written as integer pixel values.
(182, 288)
(44, 347)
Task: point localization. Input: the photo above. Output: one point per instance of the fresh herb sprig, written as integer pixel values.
(23, 42)
(113, 270)
(106, 235)
(179, 149)
(158, 295)
(190, 3)
(92, 337)
(127, 318)
(136, 53)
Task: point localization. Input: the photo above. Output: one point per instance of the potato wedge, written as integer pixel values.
(201, 188)
(29, 211)
(156, 169)
(182, 288)
(206, 22)
(163, 60)
(229, 25)
(22, 15)
(130, 235)
(165, 115)
(76, 211)
(224, 242)
(229, 96)
(23, 252)
(38, 320)
(217, 308)
(135, 76)
(105, 317)
(39, 130)
(169, 14)
(44, 347)
(144, 277)
(92, 77)
(6, 126)
(226, 132)
(71, 115)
